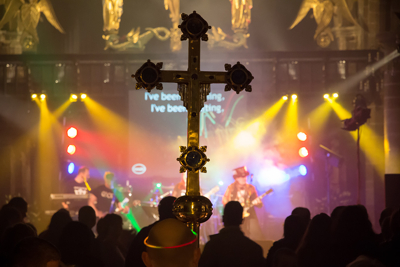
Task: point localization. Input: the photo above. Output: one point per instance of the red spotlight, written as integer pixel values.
(72, 132)
(71, 149)
(303, 152)
(302, 136)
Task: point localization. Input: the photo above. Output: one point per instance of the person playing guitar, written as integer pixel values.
(102, 198)
(247, 195)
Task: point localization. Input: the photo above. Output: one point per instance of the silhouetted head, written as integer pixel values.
(14, 235)
(10, 215)
(59, 220)
(87, 216)
(318, 232)
(233, 214)
(395, 223)
(353, 227)
(35, 252)
(162, 239)
(293, 228)
(75, 243)
(20, 204)
(284, 257)
(303, 213)
(386, 213)
(335, 214)
(111, 227)
(165, 207)
(386, 230)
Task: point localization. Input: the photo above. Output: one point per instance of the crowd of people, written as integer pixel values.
(345, 238)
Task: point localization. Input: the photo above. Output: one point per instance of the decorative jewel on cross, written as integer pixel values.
(193, 87)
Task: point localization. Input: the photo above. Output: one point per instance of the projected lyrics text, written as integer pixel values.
(171, 108)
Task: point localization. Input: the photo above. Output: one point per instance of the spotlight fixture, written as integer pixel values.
(73, 97)
(42, 97)
(335, 95)
(326, 96)
(83, 96)
(33, 96)
(303, 152)
(361, 113)
(71, 168)
(72, 132)
(302, 136)
(294, 97)
(71, 149)
(285, 97)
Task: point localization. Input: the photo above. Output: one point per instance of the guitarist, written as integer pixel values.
(102, 198)
(247, 195)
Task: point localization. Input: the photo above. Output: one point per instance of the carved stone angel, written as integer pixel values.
(323, 11)
(23, 17)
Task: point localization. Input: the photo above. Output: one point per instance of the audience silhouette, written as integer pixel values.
(57, 223)
(35, 252)
(303, 213)
(134, 256)
(76, 245)
(353, 236)
(87, 216)
(344, 239)
(314, 249)
(293, 231)
(230, 247)
(285, 257)
(107, 241)
(390, 250)
(171, 244)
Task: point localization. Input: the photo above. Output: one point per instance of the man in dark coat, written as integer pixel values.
(231, 247)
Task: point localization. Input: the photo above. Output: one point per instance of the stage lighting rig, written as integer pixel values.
(83, 96)
(361, 113)
(34, 96)
(42, 96)
(285, 97)
(238, 78)
(294, 97)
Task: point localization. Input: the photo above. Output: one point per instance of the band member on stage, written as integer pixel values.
(247, 195)
(77, 186)
(103, 200)
(180, 188)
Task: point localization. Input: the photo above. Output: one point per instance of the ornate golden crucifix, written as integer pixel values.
(193, 87)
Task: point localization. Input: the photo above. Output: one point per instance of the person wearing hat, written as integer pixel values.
(245, 194)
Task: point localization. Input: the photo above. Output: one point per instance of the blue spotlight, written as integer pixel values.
(303, 170)
(71, 168)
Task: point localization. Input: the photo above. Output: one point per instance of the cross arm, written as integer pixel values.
(213, 77)
(174, 76)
